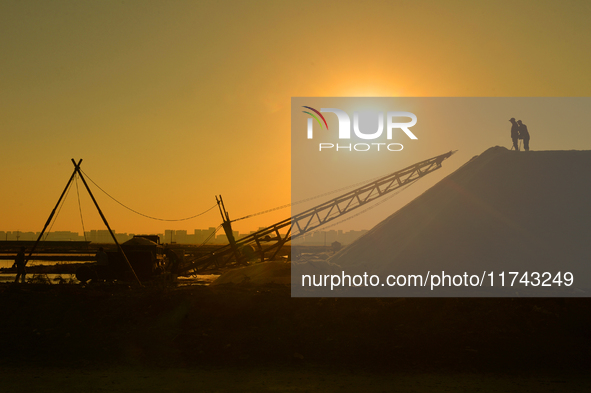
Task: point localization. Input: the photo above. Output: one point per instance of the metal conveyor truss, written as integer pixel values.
(266, 243)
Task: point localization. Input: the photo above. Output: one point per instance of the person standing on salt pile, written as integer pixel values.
(515, 133)
(523, 134)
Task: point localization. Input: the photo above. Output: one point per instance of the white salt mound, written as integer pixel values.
(503, 209)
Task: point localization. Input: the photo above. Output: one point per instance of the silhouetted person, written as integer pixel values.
(19, 262)
(523, 134)
(515, 133)
(102, 259)
(174, 262)
(102, 263)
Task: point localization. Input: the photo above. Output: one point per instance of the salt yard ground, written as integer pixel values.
(257, 338)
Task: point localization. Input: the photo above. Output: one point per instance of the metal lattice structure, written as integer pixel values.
(267, 242)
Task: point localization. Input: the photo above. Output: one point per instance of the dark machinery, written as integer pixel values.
(266, 243)
(148, 258)
(143, 258)
(146, 250)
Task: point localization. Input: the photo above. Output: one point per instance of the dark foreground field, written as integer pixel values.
(61, 338)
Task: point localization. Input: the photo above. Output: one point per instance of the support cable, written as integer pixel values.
(206, 240)
(80, 207)
(58, 211)
(211, 235)
(309, 199)
(141, 214)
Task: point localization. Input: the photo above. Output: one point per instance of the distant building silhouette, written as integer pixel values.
(102, 236)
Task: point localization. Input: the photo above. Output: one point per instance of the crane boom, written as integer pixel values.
(313, 218)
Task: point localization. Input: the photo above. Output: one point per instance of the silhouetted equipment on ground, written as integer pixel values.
(144, 258)
(240, 251)
(77, 172)
(336, 246)
(148, 258)
(19, 262)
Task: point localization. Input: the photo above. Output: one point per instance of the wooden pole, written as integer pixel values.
(54, 209)
(106, 223)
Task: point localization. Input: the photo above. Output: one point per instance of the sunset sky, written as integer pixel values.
(172, 103)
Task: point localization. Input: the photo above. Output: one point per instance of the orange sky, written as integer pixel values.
(171, 103)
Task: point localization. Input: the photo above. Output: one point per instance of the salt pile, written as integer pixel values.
(501, 211)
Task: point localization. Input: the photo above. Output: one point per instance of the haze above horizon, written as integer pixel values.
(170, 104)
